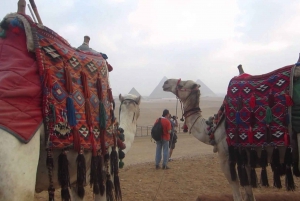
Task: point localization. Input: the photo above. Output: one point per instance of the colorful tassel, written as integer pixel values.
(109, 189)
(286, 139)
(84, 81)
(275, 164)
(118, 192)
(244, 176)
(63, 176)
(288, 100)
(264, 164)
(252, 101)
(289, 180)
(253, 163)
(76, 139)
(88, 114)
(271, 100)
(100, 177)
(53, 112)
(81, 174)
(69, 83)
(94, 175)
(109, 93)
(71, 112)
(269, 115)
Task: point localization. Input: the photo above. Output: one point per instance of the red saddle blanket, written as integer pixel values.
(20, 87)
(256, 109)
(66, 88)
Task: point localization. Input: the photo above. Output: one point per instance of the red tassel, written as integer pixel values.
(48, 78)
(76, 139)
(88, 115)
(99, 89)
(109, 67)
(288, 100)
(86, 91)
(109, 93)
(250, 136)
(286, 139)
(252, 101)
(120, 144)
(69, 84)
(16, 30)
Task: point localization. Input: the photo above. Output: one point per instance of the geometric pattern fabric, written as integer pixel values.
(256, 109)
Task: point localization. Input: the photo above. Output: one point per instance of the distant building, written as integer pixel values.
(133, 91)
(204, 90)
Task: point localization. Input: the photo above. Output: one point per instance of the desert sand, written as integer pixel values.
(195, 170)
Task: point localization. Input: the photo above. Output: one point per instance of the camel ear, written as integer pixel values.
(121, 98)
(138, 100)
(196, 86)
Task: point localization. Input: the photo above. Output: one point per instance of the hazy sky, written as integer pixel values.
(146, 40)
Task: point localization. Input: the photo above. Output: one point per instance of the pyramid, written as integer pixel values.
(205, 91)
(133, 91)
(159, 93)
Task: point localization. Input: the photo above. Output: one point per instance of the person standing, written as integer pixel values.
(163, 145)
(173, 138)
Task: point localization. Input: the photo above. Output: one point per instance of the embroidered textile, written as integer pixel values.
(71, 99)
(257, 109)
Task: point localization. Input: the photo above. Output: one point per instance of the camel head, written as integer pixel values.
(131, 103)
(129, 112)
(182, 89)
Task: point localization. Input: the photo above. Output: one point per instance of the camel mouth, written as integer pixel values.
(166, 88)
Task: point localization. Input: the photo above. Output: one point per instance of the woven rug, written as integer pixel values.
(76, 94)
(256, 109)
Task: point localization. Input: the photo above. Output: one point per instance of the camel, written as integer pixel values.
(23, 168)
(188, 93)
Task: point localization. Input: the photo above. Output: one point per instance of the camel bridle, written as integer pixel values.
(192, 111)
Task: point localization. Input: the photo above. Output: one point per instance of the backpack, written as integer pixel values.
(157, 131)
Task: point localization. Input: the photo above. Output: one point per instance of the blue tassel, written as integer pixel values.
(16, 23)
(71, 112)
(238, 118)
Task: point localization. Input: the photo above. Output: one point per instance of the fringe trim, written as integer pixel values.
(63, 176)
(276, 168)
(264, 163)
(81, 174)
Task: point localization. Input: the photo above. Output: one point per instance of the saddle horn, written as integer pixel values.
(241, 70)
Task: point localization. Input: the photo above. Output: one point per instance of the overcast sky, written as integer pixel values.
(146, 40)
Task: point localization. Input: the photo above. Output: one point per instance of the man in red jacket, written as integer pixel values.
(163, 145)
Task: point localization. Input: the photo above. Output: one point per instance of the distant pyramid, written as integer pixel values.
(159, 93)
(133, 91)
(204, 90)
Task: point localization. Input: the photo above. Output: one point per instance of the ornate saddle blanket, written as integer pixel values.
(72, 91)
(256, 109)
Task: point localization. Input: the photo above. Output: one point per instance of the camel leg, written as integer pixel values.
(248, 189)
(18, 167)
(234, 184)
(74, 196)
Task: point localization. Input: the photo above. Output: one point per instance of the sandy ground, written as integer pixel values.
(195, 170)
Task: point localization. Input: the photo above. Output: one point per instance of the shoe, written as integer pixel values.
(157, 167)
(165, 167)
(170, 159)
